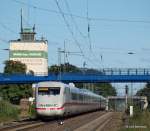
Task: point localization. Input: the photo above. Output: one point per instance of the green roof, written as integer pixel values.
(27, 30)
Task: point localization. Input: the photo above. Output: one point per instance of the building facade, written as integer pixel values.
(32, 52)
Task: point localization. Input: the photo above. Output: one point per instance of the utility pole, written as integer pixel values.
(126, 97)
(65, 55)
(64, 51)
(132, 100)
(131, 106)
(84, 64)
(59, 63)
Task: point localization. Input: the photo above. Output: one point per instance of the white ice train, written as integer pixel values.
(59, 99)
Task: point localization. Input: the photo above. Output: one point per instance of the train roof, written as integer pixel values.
(71, 86)
(46, 83)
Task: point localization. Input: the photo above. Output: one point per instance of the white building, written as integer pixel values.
(32, 52)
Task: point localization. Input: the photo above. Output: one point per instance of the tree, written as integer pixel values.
(14, 67)
(104, 89)
(63, 68)
(14, 92)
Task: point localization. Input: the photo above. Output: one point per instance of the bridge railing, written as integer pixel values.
(104, 71)
(116, 71)
(125, 71)
(103, 75)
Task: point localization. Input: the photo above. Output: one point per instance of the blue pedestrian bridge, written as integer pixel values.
(103, 75)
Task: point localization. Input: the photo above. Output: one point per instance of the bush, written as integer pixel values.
(8, 111)
(32, 111)
(137, 112)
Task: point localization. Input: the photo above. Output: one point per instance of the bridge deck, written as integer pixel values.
(104, 75)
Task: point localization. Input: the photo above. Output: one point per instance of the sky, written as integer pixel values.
(116, 27)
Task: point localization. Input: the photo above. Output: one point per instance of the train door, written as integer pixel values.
(100, 103)
(67, 100)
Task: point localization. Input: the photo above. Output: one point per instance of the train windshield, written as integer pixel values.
(49, 90)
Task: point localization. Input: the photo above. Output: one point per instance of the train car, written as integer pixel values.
(59, 99)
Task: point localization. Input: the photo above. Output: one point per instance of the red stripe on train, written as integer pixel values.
(66, 104)
(60, 108)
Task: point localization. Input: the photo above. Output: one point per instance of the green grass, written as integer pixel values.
(139, 119)
(8, 111)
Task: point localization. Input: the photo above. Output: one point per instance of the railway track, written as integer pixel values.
(74, 123)
(90, 122)
(20, 126)
(97, 124)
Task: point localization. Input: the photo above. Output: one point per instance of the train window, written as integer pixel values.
(80, 97)
(48, 91)
(74, 96)
(66, 90)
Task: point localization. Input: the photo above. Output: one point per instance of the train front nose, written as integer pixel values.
(49, 101)
(50, 111)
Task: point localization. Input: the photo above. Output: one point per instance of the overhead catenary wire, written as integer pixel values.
(88, 24)
(68, 27)
(77, 28)
(67, 24)
(7, 28)
(72, 34)
(84, 17)
(73, 20)
(4, 40)
(88, 38)
(89, 34)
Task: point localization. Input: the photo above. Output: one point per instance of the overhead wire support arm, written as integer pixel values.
(68, 26)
